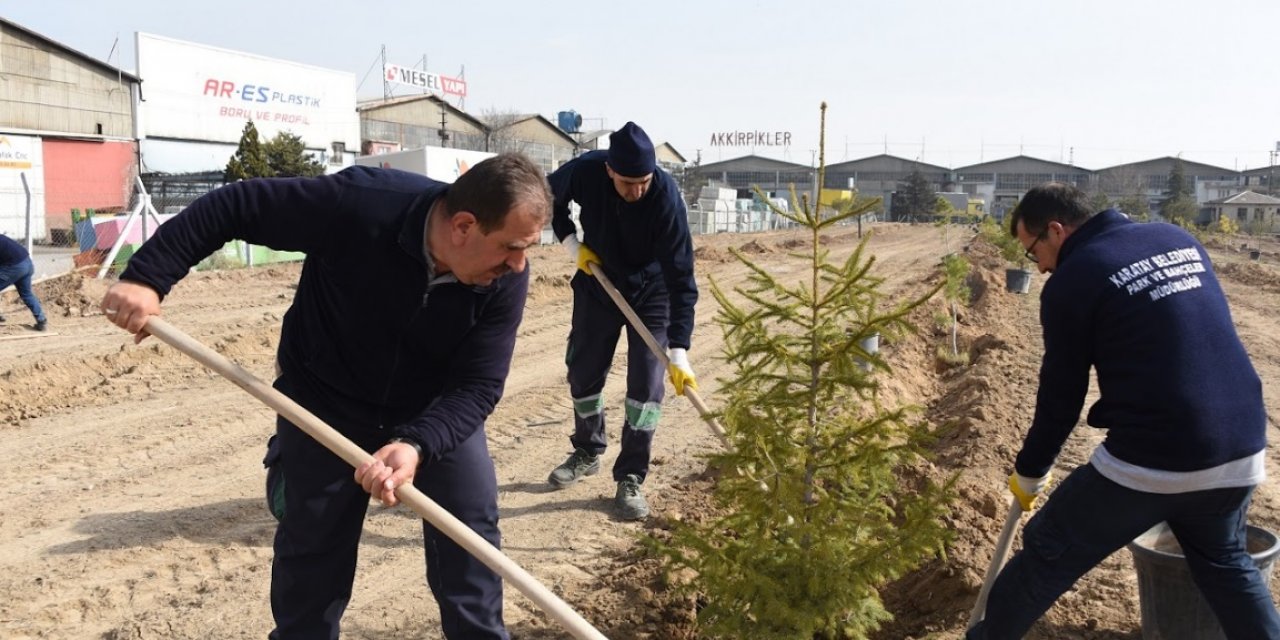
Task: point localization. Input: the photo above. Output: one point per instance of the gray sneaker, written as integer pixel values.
(629, 502)
(579, 465)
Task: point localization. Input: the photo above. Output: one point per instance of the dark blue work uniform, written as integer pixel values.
(374, 349)
(16, 269)
(1185, 420)
(647, 253)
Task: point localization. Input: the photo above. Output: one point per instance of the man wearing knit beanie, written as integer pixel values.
(631, 153)
(634, 230)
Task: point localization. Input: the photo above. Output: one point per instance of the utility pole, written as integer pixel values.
(1271, 171)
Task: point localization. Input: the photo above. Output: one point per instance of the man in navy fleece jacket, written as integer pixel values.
(634, 229)
(400, 337)
(1180, 400)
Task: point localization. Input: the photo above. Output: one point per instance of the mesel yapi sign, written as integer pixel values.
(433, 82)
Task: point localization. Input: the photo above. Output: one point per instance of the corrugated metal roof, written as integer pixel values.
(1247, 197)
(62, 47)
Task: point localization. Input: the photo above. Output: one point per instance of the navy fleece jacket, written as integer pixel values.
(11, 252)
(364, 345)
(641, 244)
(1141, 304)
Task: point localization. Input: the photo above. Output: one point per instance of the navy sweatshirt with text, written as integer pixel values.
(1140, 303)
(364, 345)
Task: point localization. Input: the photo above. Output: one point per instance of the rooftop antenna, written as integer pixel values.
(386, 84)
(424, 69)
(462, 74)
(113, 48)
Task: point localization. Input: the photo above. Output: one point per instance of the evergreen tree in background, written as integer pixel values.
(914, 197)
(805, 557)
(1135, 206)
(284, 156)
(288, 157)
(1099, 201)
(1179, 206)
(1178, 186)
(249, 160)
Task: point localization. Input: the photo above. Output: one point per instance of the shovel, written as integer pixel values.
(355, 456)
(661, 355)
(638, 325)
(997, 562)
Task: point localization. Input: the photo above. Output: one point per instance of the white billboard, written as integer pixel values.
(21, 171)
(193, 91)
(437, 163)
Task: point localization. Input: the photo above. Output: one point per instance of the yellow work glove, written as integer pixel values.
(585, 257)
(580, 253)
(681, 372)
(1027, 490)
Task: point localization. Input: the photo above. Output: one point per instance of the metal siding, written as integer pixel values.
(85, 175)
(58, 92)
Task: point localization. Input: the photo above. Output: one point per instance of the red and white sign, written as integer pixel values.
(433, 82)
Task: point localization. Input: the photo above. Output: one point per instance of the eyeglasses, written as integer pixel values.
(1030, 253)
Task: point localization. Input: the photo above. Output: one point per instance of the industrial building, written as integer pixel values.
(77, 133)
(67, 138)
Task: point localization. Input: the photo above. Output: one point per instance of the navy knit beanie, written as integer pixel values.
(631, 152)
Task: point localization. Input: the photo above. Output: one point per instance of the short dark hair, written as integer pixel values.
(1049, 202)
(495, 186)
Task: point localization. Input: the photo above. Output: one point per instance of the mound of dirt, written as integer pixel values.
(546, 286)
(1252, 274)
(705, 255)
(70, 295)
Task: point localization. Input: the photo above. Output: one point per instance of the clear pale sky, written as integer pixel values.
(1097, 82)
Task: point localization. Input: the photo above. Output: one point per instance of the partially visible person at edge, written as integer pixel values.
(1180, 400)
(400, 336)
(635, 231)
(16, 269)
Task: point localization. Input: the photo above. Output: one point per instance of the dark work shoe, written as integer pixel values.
(629, 502)
(42, 325)
(579, 465)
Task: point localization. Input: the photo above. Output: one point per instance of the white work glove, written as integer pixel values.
(580, 253)
(1027, 490)
(680, 371)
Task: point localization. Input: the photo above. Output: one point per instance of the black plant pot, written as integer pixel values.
(1017, 280)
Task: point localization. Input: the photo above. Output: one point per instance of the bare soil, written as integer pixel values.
(133, 504)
